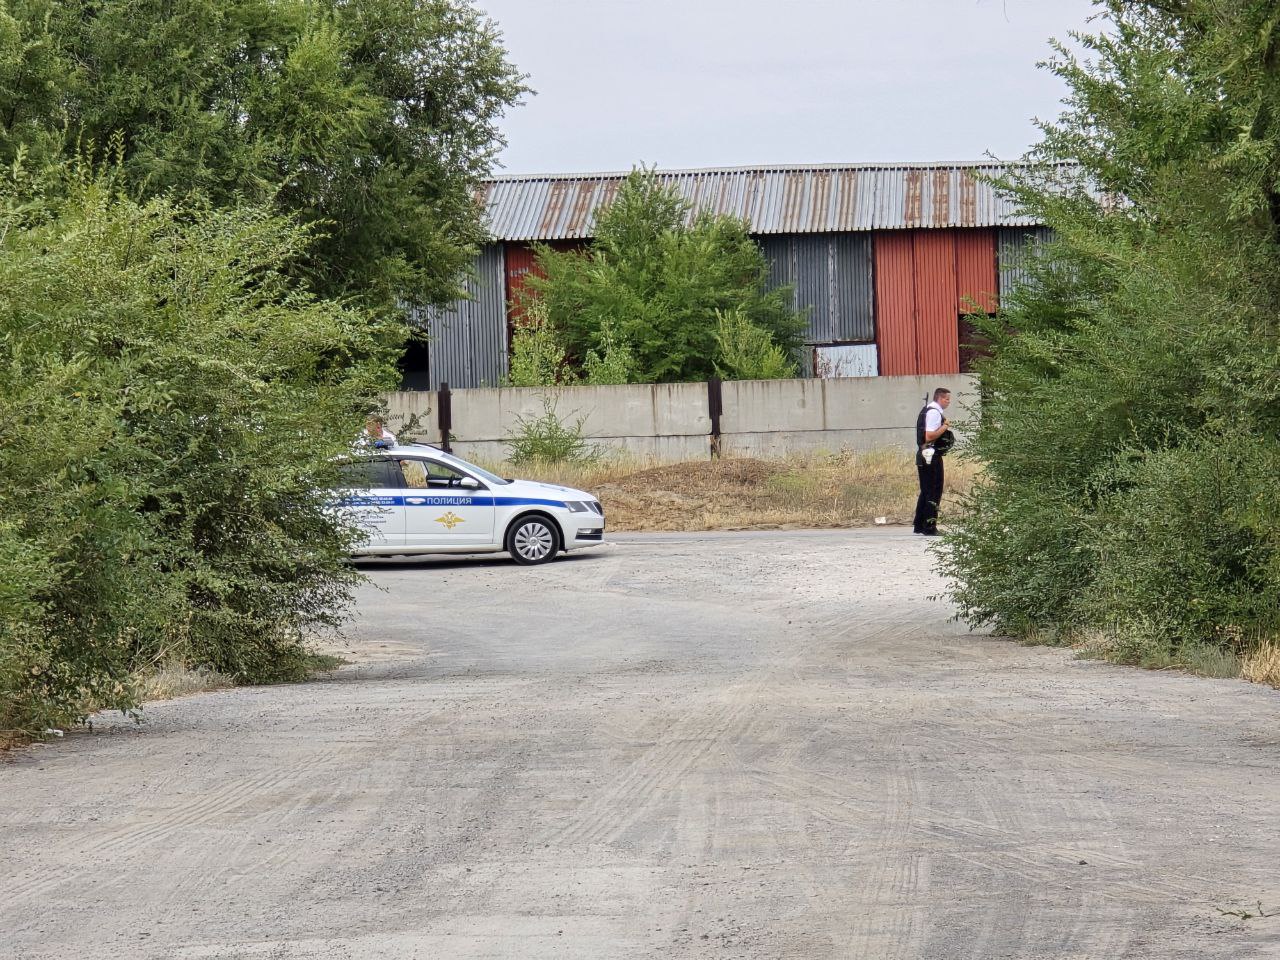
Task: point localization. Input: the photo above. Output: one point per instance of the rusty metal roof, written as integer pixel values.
(785, 199)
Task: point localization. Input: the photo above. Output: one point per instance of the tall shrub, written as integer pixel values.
(1129, 435)
(170, 404)
(746, 352)
(538, 357)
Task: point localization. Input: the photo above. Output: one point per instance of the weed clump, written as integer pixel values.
(550, 439)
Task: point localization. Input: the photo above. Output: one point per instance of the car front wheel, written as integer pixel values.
(532, 540)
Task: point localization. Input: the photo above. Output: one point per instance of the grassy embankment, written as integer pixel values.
(816, 490)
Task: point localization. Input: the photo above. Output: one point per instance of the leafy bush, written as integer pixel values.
(537, 351)
(1188, 544)
(1129, 446)
(548, 439)
(614, 362)
(612, 367)
(746, 352)
(169, 407)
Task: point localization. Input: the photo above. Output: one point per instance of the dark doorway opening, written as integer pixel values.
(415, 374)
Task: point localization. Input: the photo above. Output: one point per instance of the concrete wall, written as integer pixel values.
(413, 414)
(775, 417)
(671, 421)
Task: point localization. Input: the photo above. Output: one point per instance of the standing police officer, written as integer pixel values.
(930, 426)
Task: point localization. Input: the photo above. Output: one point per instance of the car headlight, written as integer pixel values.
(577, 506)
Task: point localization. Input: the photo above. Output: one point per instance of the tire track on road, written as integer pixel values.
(891, 923)
(124, 841)
(653, 774)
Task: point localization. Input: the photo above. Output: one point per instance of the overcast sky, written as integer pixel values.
(709, 83)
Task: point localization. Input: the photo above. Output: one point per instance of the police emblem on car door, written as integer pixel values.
(443, 506)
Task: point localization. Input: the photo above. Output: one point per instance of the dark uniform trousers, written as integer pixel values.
(930, 494)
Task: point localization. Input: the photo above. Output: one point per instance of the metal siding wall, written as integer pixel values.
(777, 251)
(845, 360)
(1014, 246)
(830, 275)
(937, 315)
(468, 338)
(813, 286)
(895, 303)
(976, 270)
(854, 291)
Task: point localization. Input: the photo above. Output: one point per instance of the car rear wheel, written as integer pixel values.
(532, 540)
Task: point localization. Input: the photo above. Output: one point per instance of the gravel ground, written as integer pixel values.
(684, 745)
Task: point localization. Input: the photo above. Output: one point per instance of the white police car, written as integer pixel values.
(415, 499)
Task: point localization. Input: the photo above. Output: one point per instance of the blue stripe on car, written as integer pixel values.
(424, 500)
(525, 501)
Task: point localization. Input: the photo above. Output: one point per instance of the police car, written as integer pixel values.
(417, 499)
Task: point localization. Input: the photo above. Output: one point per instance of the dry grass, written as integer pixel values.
(815, 490)
(1262, 665)
(176, 679)
(1258, 663)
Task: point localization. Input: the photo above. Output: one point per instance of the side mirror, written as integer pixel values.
(469, 483)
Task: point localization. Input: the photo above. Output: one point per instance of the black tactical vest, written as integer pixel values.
(945, 440)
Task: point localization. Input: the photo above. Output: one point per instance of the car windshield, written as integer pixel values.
(469, 467)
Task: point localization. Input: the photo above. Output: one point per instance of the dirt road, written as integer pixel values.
(757, 746)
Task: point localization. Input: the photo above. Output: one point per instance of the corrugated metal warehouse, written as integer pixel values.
(886, 259)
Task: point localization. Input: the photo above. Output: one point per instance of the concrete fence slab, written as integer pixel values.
(767, 445)
(764, 406)
(672, 421)
(864, 403)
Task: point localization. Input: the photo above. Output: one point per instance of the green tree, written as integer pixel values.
(651, 286)
(1129, 434)
(170, 406)
(371, 119)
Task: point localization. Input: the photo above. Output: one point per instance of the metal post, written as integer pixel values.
(445, 416)
(715, 407)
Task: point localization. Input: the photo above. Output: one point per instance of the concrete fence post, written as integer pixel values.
(715, 407)
(445, 417)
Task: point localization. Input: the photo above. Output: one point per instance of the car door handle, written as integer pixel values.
(415, 499)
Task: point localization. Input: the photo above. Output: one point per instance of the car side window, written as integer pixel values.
(438, 475)
(366, 475)
(423, 474)
(415, 474)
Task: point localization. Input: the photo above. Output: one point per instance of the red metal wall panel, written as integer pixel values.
(918, 292)
(937, 317)
(976, 275)
(895, 303)
(520, 262)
